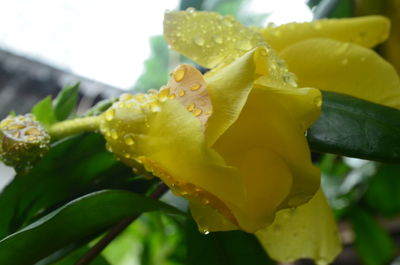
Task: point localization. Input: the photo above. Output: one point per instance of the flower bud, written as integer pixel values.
(22, 141)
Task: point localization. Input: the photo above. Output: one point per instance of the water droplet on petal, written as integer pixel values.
(179, 74)
(197, 112)
(181, 93)
(191, 107)
(218, 39)
(195, 87)
(114, 134)
(154, 107)
(110, 114)
(163, 94)
(198, 40)
(125, 96)
(227, 21)
(129, 140)
(243, 45)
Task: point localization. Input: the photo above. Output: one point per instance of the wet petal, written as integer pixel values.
(174, 149)
(189, 88)
(306, 232)
(229, 86)
(210, 220)
(209, 38)
(344, 68)
(258, 143)
(366, 31)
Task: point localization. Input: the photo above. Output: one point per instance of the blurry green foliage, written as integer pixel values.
(156, 67)
(154, 238)
(383, 194)
(373, 243)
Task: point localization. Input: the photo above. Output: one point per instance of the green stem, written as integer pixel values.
(75, 126)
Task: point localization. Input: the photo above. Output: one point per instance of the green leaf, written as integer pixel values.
(44, 112)
(356, 128)
(66, 102)
(72, 168)
(383, 194)
(223, 248)
(373, 244)
(85, 216)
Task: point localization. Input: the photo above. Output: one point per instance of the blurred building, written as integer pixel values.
(23, 82)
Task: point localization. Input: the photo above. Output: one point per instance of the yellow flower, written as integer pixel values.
(331, 55)
(232, 143)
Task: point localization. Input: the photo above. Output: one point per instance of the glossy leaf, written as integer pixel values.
(356, 128)
(44, 111)
(71, 168)
(66, 102)
(85, 216)
(224, 248)
(373, 244)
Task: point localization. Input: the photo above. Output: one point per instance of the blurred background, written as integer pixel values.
(116, 46)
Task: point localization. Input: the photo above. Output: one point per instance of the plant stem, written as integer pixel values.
(75, 126)
(115, 231)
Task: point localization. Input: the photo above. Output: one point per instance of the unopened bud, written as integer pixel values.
(22, 141)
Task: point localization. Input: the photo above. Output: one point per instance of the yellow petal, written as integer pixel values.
(209, 38)
(306, 232)
(174, 148)
(229, 86)
(268, 146)
(303, 103)
(208, 219)
(189, 88)
(344, 68)
(365, 31)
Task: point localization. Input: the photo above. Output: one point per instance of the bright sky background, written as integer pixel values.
(102, 40)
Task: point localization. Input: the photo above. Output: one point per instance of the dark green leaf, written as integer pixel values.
(70, 169)
(383, 193)
(224, 248)
(44, 112)
(356, 128)
(66, 102)
(85, 216)
(373, 244)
